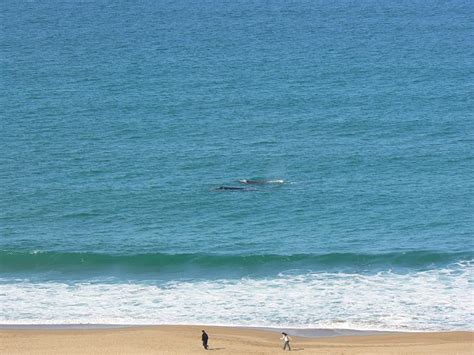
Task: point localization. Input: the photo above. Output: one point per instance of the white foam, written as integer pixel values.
(275, 181)
(431, 300)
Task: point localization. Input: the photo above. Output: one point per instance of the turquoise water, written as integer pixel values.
(121, 121)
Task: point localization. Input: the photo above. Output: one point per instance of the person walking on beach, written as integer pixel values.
(286, 341)
(205, 338)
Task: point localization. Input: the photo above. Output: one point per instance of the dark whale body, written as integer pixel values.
(231, 188)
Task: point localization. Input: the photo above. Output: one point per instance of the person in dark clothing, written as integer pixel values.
(205, 338)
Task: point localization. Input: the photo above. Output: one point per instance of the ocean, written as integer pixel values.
(129, 133)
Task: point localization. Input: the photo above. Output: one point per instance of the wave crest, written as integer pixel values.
(11, 261)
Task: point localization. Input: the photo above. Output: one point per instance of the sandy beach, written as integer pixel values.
(223, 340)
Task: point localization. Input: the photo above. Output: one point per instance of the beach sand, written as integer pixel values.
(223, 340)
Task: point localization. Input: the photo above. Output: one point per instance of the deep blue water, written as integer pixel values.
(120, 121)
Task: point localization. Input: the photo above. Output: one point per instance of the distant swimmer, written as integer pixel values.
(260, 181)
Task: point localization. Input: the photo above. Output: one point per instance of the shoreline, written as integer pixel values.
(300, 332)
(185, 339)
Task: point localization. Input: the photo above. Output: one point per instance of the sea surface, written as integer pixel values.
(124, 124)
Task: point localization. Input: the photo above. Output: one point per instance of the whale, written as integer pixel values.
(234, 188)
(260, 181)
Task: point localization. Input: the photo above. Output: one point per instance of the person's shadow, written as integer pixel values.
(216, 349)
